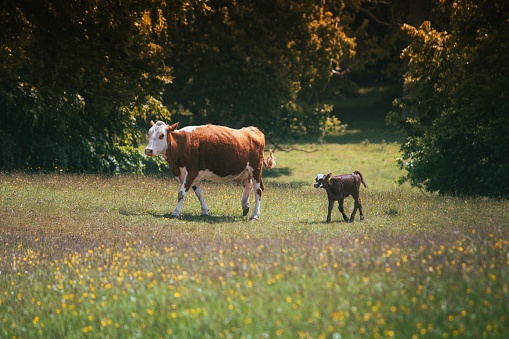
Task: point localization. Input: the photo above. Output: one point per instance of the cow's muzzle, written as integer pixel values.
(149, 151)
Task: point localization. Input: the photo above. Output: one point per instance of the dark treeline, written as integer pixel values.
(457, 90)
(80, 80)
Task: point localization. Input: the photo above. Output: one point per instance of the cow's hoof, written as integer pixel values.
(174, 216)
(254, 217)
(245, 211)
(362, 217)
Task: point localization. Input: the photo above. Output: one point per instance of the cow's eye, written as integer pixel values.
(161, 136)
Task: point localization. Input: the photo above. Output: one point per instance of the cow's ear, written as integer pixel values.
(171, 128)
(327, 177)
(152, 123)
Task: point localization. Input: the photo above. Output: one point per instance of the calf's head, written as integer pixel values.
(318, 181)
(158, 138)
(321, 179)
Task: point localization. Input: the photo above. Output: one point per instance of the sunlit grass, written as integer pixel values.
(86, 255)
(90, 256)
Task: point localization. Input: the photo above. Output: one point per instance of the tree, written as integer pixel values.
(376, 26)
(69, 69)
(258, 62)
(456, 87)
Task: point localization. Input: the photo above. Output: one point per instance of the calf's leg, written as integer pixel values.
(360, 209)
(331, 206)
(342, 209)
(358, 204)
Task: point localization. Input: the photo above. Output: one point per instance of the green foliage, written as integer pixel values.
(67, 70)
(80, 80)
(376, 27)
(456, 88)
(261, 63)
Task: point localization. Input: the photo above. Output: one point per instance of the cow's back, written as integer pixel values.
(220, 149)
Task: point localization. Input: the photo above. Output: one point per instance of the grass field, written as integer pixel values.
(90, 256)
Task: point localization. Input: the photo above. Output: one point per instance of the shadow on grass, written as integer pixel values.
(211, 219)
(292, 184)
(277, 172)
(338, 222)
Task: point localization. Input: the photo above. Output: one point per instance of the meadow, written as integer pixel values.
(91, 256)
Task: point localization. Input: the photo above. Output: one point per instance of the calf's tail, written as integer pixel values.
(271, 162)
(362, 179)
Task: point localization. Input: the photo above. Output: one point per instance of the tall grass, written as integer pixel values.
(88, 256)
(84, 255)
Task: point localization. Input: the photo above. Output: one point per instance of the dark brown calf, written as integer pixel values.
(338, 188)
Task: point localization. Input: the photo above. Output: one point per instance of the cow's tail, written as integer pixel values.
(271, 162)
(362, 179)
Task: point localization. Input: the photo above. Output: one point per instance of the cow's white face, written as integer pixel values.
(158, 138)
(319, 181)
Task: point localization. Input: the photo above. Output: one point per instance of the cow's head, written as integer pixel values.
(158, 138)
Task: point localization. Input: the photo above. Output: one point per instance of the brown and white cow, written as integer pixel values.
(211, 152)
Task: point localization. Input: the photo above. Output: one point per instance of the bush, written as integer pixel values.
(456, 88)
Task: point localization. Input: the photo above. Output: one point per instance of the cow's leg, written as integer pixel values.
(199, 193)
(258, 185)
(329, 210)
(181, 196)
(186, 179)
(342, 208)
(248, 187)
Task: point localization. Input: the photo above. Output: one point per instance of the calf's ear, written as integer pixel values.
(171, 128)
(327, 177)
